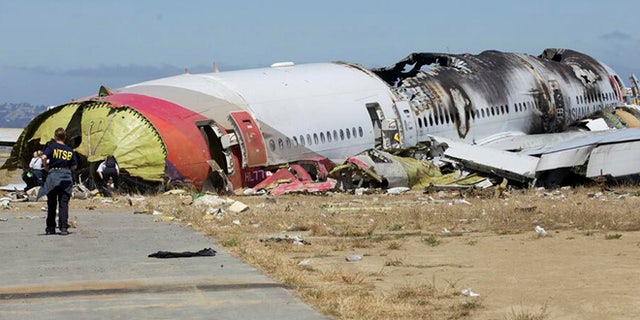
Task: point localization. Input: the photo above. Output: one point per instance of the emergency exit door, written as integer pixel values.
(250, 138)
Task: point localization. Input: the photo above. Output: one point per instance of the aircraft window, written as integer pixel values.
(288, 142)
(315, 138)
(272, 145)
(348, 133)
(501, 109)
(341, 134)
(420, 122)
(577, 101)
(302, 140)
(424, 120)
(353, 132)
(308, 139)
(482, 112)
(506, 108)
(295, 141)
(446, 117)
(361, 132)
(441, 119)
(430, 120)
(322, 137)
(493, 111)
(280, 143)
(335, 135)
(328, 136)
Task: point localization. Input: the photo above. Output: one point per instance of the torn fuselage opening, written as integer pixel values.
(96, 129)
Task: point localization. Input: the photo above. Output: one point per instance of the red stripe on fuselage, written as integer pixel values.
(187, 150)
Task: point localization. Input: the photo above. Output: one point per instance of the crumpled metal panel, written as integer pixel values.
(58, 119)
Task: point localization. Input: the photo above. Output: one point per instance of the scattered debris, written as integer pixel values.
(237, 207)
(353, 257)
(165, 219)
(295, 240)
(305, 263)
(5, 202)
(208, 200)
(540, 231)
(469, 293)
(175, 191)
(397, 190)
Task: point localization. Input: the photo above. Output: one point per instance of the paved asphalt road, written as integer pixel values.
(101, 271)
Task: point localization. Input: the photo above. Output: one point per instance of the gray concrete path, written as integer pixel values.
(101, 271)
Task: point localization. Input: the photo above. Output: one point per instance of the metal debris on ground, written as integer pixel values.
(5, 202)
(540, 231)
(165, 219)
(237, 207)
(353, 257)
(295, 240)
(469, 293)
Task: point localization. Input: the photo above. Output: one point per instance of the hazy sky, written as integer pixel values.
(54, 51)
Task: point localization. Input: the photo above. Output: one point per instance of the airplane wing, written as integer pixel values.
(614, 153)
(9, 136)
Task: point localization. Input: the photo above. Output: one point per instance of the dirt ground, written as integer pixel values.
(585, 267)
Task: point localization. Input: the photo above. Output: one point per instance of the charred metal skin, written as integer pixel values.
(461, 88)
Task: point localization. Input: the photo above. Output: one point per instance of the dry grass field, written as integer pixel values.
(410, 267)
(415, 252)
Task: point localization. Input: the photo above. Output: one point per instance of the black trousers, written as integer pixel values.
(58, 199)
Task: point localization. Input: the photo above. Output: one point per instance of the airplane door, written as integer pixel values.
(407, 119)
(558, 102)
(250, 138)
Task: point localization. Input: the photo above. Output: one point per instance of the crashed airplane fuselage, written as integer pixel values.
(197, 128)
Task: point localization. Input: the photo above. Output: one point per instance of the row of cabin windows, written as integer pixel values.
(594, 97)
(316, 138)
(446, 117)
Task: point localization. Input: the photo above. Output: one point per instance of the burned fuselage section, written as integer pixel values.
(505, 91)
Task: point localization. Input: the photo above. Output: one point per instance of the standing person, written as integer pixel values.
(59, 159)
(109, 169)
(36, 167)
